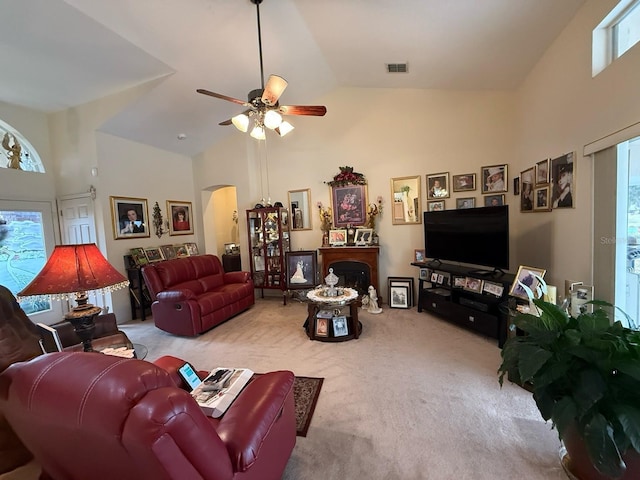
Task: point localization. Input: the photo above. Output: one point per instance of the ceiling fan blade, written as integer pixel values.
(222, 97)
(314, 110)
(274, 88)
(225, 123)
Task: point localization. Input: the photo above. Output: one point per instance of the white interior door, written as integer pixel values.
(77, 222)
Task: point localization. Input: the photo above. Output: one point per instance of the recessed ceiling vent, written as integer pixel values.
(397, 67)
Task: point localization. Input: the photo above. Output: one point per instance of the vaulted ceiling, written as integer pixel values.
(57, 54)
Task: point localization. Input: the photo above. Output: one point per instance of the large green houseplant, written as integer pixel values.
(584, 372)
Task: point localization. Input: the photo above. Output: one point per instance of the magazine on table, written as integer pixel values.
(221, 387)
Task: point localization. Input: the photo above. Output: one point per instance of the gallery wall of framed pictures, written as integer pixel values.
(130, 217)
(548, 185)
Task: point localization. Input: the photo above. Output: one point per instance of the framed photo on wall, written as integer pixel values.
(129, 217)
(302, 267)
(464, 183)
(494, 178)
(542, 172)
(435, 206)
(563, 172)
(181, 217)
(438, 186)
(494, 200)
(541, 199)
(527, 178)
(467, 202)
(349, 205)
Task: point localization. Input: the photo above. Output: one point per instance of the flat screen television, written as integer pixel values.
(477, 236)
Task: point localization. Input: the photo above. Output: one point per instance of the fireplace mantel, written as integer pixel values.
(366, 255)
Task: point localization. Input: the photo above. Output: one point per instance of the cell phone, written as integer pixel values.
(189, 375)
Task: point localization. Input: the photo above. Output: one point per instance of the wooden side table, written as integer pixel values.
(354, 326)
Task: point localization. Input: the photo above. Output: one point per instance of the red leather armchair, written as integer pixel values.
(85, 415)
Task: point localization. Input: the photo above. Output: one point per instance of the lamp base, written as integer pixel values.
(81, 318)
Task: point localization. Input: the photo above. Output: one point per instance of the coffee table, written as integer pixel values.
(327, 317)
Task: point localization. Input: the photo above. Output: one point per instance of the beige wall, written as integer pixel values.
(382, 133)
(561, 108)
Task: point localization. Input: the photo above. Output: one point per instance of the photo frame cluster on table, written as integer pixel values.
(327, 320)
(548, 185)
(439, 279)
(339, 237)
(400, 291)
(145, 255)
(130, 217)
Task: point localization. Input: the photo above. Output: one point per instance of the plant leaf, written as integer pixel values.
(532, 358)
(629, 418)
(564, 414)
(602, 449)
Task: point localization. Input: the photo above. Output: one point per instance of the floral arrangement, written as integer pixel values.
(373, 211)
(325, 217)
(347, 177)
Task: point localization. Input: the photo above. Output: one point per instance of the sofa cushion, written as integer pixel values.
(179, 274)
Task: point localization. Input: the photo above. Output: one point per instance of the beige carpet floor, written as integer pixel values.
(413, 398)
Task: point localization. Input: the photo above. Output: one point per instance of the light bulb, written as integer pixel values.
(272, 119)
(284, 128)
(241, 122)
(258, 132)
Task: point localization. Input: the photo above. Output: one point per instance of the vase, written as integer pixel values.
(578, 465)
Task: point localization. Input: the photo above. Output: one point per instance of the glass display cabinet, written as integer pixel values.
(269, 240)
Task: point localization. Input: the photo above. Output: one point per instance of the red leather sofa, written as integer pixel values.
(194, 294)
(86, 415)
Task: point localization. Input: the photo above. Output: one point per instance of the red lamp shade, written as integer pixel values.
(74, 269)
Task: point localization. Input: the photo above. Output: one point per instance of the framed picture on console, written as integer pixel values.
(338, 237)
(340, 328)
(526, 276)
(363, 236)
(472, 284)
(492, 288)
(302, 268)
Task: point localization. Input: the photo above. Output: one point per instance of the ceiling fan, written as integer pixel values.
(262, 104)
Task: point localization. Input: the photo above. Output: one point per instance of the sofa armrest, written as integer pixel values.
(236, 277)
(252, 415)
(175, 295)
(171, 364)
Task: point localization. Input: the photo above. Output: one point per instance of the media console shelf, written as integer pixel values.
(448, 298)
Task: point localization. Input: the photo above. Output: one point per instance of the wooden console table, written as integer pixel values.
(366, 255)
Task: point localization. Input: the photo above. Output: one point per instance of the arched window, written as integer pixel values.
(16, 151)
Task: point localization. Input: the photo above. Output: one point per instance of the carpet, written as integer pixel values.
(305, 394)
(306, 391)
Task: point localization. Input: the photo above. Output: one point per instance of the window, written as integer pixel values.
(617, 33)
(16, 151)
(26, 240)
(626, 32)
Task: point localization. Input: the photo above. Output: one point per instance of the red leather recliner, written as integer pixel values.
(86, 415)
(194, 294)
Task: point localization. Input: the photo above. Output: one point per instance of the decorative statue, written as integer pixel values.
(13, 151)
(371, 301)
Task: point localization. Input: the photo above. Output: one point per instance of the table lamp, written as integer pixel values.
(74, 270)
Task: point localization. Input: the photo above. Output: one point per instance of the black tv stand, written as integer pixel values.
(448, 298)
(496, 272)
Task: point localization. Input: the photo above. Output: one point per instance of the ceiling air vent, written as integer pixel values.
(397, 67)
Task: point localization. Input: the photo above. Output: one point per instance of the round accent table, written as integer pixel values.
(333, 318)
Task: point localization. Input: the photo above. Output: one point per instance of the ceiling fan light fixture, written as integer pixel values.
(272, 119)
(284, 128)
(241, 122)
(258, 132)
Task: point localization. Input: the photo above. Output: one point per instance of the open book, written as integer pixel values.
(221, 387)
